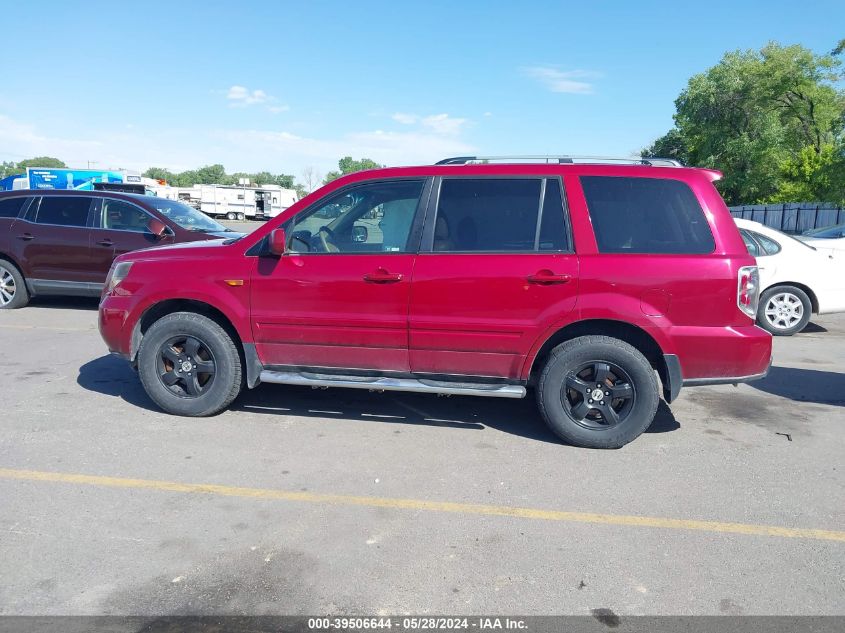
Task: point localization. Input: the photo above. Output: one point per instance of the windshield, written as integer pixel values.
(827, 232)
(187, 217)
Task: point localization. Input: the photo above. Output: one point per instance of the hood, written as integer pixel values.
(226, 235)
(199, 248)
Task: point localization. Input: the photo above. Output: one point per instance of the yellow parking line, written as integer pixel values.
(429, 506)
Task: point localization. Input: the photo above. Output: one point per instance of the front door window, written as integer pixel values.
(373, 218)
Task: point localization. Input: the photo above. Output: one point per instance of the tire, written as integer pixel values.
(581, 365)
(784, 310)
(168, 352)
(13, 292)
(231, 216)
(241, 216)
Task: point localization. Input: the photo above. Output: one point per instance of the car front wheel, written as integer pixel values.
(189, 365)
(597, 392)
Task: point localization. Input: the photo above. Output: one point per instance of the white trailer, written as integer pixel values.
(238, 203)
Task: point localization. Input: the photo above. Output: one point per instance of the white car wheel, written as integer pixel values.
(784, 310)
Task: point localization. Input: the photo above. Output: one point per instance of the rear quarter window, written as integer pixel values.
(646, 215)
(11, 207)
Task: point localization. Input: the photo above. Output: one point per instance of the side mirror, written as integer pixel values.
(157, 228)
(277, 242)
(359, 234)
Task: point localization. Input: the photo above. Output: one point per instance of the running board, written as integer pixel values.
(384, 383)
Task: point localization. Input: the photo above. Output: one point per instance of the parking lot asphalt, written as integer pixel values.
(300, 501)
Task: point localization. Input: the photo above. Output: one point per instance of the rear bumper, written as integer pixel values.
(716, 356)
(700, 382)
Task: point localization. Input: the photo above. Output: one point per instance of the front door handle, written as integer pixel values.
(26, 237)
(547, 277)
(382, 276)
(105, 243)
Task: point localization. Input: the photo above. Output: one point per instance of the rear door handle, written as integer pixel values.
(547, 277)
(26, 237)
(105, 243)
(382, 276)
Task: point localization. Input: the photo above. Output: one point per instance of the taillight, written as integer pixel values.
(748, 290)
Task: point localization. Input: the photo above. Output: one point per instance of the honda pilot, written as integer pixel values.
(597, 285)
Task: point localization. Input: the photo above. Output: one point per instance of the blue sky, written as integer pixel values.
(281, 85)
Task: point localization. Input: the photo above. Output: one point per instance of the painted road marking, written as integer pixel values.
(429, 506)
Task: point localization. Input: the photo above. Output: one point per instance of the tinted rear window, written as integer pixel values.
(646, 215)
(487, 214)
(10, 207)
(69, 211)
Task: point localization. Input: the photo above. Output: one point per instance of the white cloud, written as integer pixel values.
(442, 124)
(25, 141)
(567, 81)
(389, 148)
(241, 96)
(277, 109)
(405, 119)
(278, 151)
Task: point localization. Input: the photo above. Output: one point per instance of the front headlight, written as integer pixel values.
(117, 274)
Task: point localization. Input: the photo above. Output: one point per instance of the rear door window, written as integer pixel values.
(769, 246)
(500, 215)
(750, 244)
(554, 235)
(63, 211)
(646, 215)
(11, 207)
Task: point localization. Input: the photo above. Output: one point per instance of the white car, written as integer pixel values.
(828, 237)
(796, 279)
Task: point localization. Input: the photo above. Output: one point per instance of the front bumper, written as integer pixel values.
(112, 322)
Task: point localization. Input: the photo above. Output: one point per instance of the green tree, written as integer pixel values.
(770, 120)
(285, 181)
(210, 175)
(40, 161)
(160, 173)
(347, 165)
(10, 168)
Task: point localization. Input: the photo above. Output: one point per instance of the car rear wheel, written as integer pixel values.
(597, 392)
(231, 216)
(784, 310)
(241, 216)
(189, 365)
(13, 292)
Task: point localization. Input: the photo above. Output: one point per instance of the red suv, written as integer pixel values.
(63, 242)
(584, 281)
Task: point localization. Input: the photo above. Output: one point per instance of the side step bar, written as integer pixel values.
(384, 383)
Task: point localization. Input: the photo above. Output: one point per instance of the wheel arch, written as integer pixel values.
(169, 306)
(9, 258)
(814, 300)
(628, 332)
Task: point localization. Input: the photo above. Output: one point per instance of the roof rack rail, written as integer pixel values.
(563, 160)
